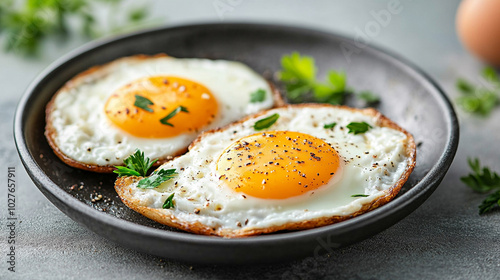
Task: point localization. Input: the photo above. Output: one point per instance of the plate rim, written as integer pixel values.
(421, 190)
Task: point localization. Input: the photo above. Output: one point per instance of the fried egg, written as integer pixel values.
(157, 104)
(305, 170)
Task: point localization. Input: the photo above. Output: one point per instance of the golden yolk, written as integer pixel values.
(278, 164)
(166, 94)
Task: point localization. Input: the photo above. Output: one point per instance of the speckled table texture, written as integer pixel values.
(443, 239)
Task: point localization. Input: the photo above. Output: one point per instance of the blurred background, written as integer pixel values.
(454, 243)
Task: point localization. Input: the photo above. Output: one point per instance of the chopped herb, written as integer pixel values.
(266, 122)
(169, 203)
(172, 114)
(258, 96)
(358, 127)
(156, 178)
(330, 125)
(483, 180)
(482, 99)
(369, 97)
(143, 103)
(359, 195)
(135, 165)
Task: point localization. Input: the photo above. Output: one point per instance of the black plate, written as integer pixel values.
(409, 97)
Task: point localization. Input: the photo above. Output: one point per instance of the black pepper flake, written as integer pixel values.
(313, 155)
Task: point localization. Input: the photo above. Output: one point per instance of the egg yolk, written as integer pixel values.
(278, 164)
(151, 107)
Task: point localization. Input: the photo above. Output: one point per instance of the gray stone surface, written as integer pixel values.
(444, 239)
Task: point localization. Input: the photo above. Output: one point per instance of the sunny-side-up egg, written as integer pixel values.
(309, 168)
(157, 104)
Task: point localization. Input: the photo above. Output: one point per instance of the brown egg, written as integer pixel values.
(478, 26)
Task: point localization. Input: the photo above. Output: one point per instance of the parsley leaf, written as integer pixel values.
(490, 74)
(143, 103)
(138, 14)
(464, 86)
(135, 165)
(483, 180)
(299, 76)
(156, 178)
(358, 127)
(172, 114)
(482, 99)
(330, 125)
(27, 23)
(359, 195)
(258, 96)
(490, 202)
(169, 203)
(369, 96)
(266, 122)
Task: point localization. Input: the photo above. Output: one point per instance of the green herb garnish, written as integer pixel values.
(358, 127)
(156, 178)
(330, 125)
(169, 203)
(482, 180)
(490, 74)
(482, 99)
(266, 122)
(359, 195)
(143, 103)
(135, 165)
(368, 96)
(27, 23)
(258, 96)
(299, 75)
(172, 114)
(491, 202)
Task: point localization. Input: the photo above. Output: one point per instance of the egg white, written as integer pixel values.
(84, 133)
(373, 162)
